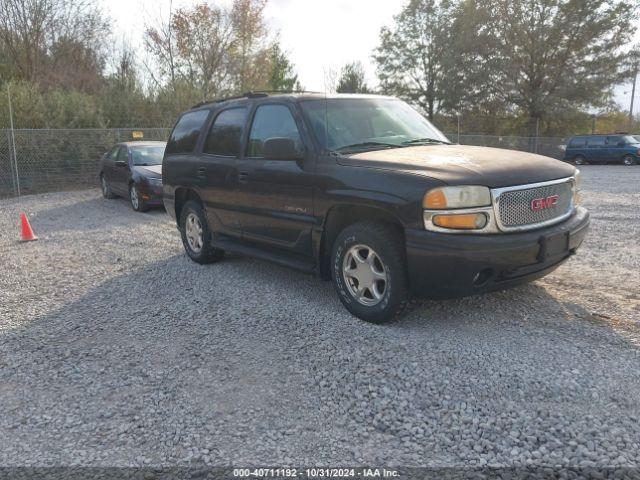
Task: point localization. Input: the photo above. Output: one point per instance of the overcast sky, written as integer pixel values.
(318, 34)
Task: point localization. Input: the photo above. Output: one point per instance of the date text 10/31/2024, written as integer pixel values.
(315, 473)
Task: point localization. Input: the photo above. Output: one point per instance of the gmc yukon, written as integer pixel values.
(364, 191)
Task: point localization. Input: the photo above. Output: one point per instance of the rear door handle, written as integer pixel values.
(243, 177)
(202, 171)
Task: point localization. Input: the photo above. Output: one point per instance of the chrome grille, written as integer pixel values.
(513, 204)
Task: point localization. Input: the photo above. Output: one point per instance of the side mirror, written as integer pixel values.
(280, 149)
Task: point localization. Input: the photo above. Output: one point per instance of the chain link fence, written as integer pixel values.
(58, 160)
(51, 160)
(549, 146)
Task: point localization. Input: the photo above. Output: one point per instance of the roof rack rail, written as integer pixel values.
(250, 94)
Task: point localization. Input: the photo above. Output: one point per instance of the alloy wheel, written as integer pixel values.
(365, 275)
(135, 201)
(105, 188)
(194, 233)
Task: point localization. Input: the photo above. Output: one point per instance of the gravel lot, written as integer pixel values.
(116, 350)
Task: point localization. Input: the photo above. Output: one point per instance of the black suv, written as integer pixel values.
(363, 190)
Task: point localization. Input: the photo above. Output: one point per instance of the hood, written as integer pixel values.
(465, 164)
(150, 170)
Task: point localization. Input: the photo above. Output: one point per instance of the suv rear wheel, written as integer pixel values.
(196, 236)
(369, 271)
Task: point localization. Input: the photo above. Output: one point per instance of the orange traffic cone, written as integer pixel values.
(27, 233)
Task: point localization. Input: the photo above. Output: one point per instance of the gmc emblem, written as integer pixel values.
(538, 204)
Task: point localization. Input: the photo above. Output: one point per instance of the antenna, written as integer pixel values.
(326, 113)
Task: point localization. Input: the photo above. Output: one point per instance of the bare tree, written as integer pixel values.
(54, 42)
(213, 50)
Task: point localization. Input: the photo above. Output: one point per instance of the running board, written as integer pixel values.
(265, 253)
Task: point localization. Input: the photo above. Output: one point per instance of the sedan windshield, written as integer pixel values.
(149, 155)
(358, 124)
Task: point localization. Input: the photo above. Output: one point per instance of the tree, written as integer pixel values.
(212, 50)
(54, 43)
(282, 75)
(247, 17)
(412, 55)
(554, 56)
(352, 79)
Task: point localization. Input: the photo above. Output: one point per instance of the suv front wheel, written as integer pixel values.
(369, 271)
(196, 236)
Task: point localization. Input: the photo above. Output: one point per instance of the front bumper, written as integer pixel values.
(451, 265)
(151, 194)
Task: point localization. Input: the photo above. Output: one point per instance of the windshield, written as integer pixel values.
(631, 139)
(354, 124)
(150, 155)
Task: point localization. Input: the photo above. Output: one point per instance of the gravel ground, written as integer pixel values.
(116, 350)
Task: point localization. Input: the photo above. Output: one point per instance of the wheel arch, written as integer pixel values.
(181, 196)
(341, 216)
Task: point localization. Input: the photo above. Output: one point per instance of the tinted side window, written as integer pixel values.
(596, 141)
(578, 142)
(123, 154)
(272, 121)
(226, 133)
(614, 141)
(185, 134)
(113, 153)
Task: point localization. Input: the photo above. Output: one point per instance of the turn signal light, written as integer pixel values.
(435, 200)
(470, 221)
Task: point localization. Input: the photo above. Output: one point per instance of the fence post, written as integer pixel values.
(537, 134)
(13, 142)
(458, 115)
(10, 163)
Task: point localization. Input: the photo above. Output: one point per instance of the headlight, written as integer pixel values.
(447, 198)
(156, 182)
(577, 185)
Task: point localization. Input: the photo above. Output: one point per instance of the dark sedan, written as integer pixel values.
(134, 170)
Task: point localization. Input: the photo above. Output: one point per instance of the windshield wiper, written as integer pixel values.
(417, 141)
(366, 145)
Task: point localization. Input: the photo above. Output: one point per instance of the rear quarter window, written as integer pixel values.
(185, 134)
(596, 142)
(577, 142)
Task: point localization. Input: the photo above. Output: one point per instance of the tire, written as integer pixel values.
(380, 300)
(134, 199)
(106, 188)
(193, 223)
(579, 160)
(629, 160)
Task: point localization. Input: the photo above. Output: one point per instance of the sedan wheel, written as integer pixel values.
(106, 189)
(629, 160)
(136, 202)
